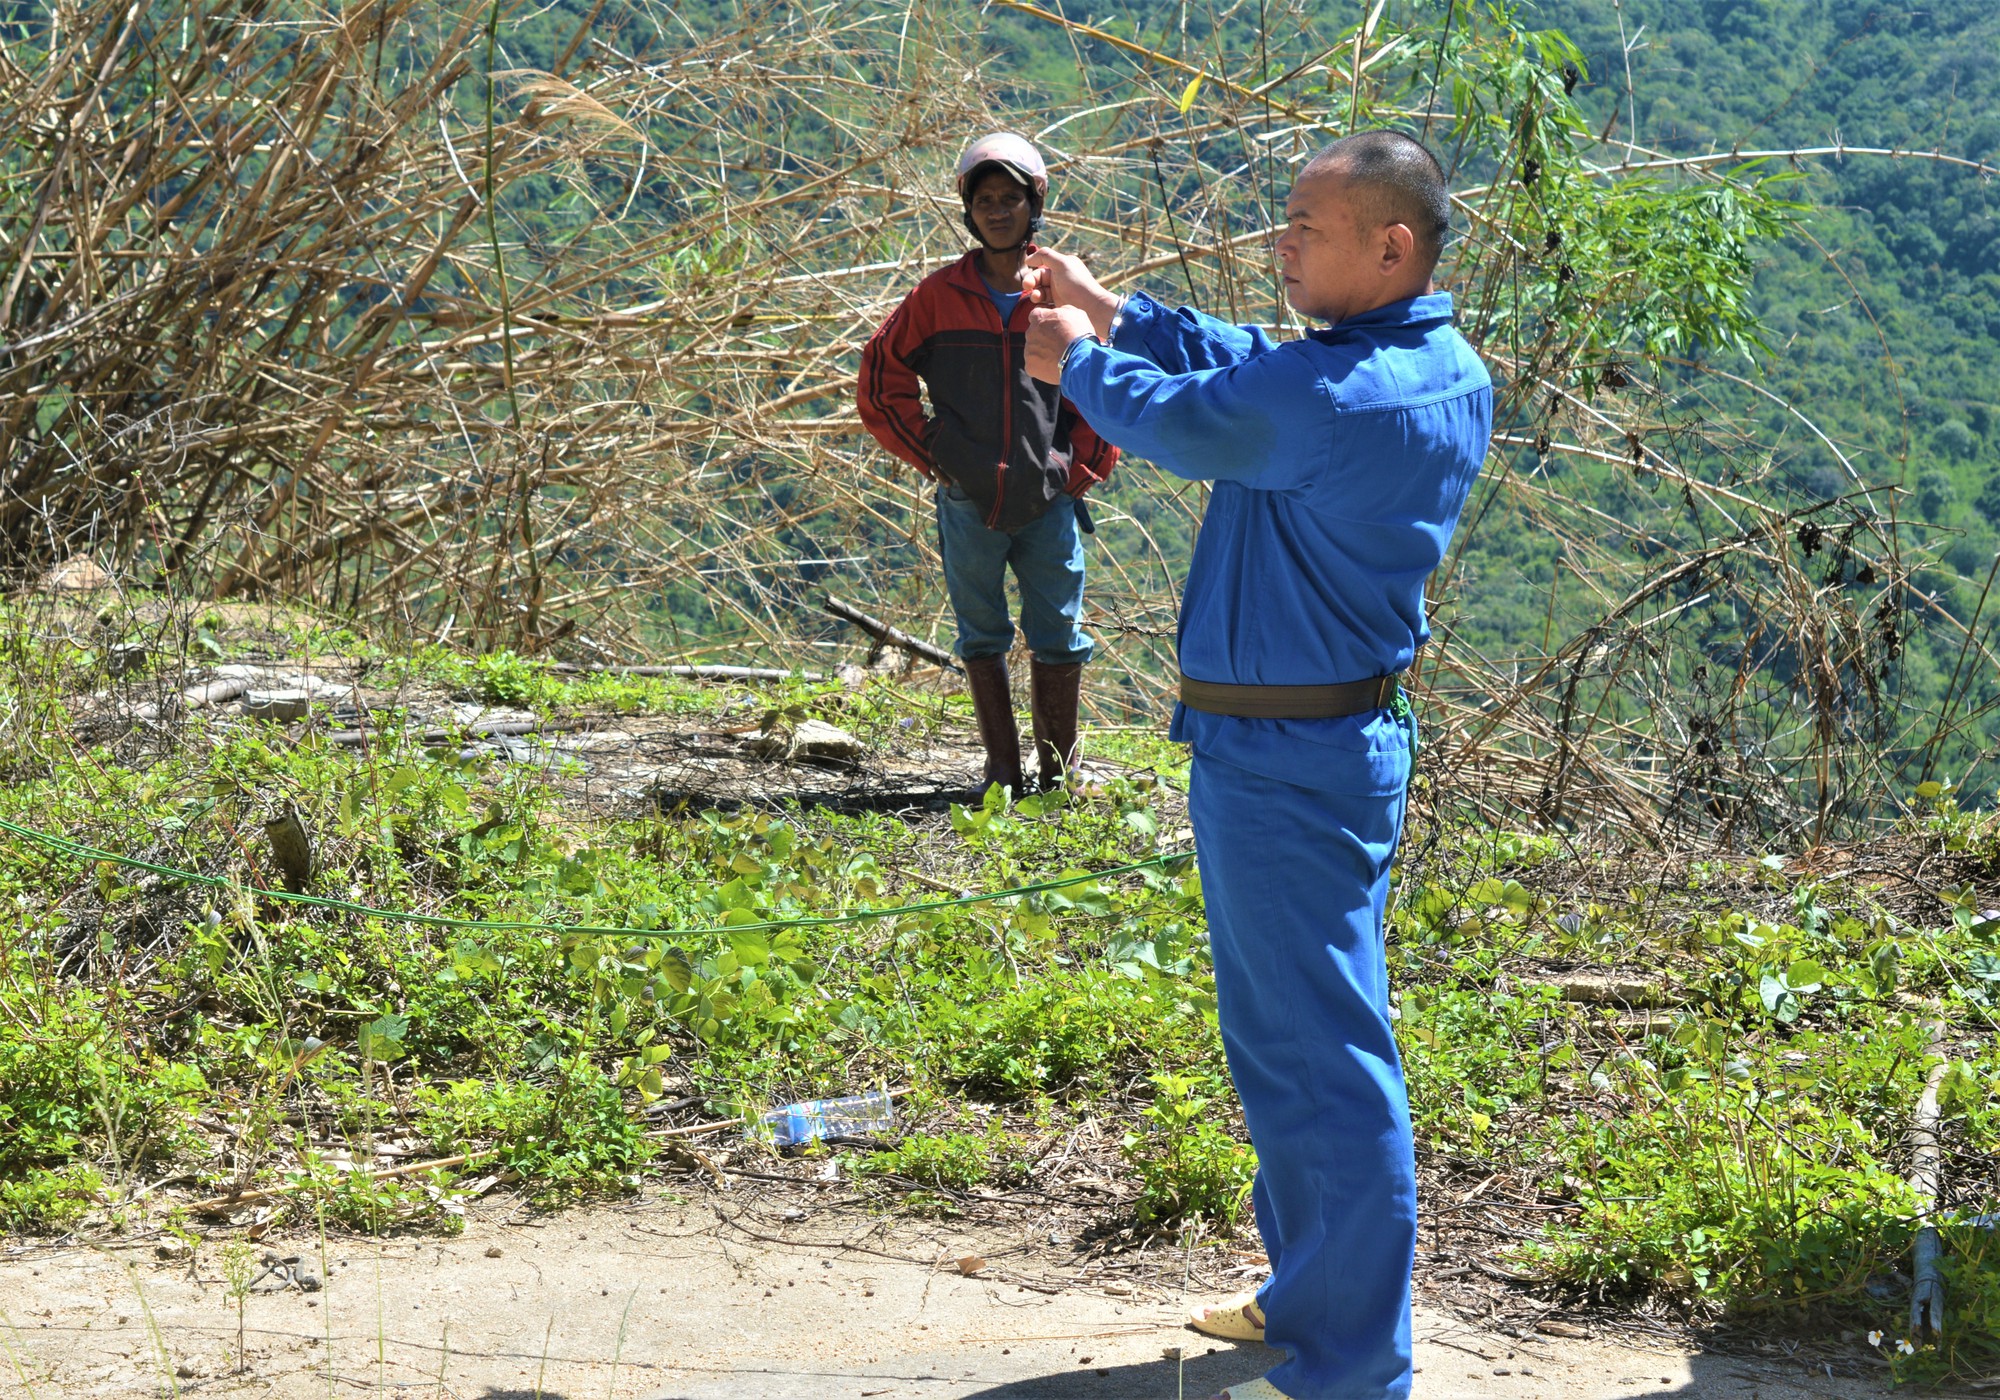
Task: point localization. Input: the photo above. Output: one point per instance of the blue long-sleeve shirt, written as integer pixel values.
(1340, 463)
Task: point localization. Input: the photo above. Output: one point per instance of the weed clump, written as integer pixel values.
(1055, 1032)
(75, 1089)
(49, 1200)
(1190, 1170)
(569, 1132)
(950, 1161)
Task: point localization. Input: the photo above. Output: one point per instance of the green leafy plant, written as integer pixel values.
(568, 1132)
(1189, 1169)
(76, 1080)
(49, 1200)
(239, 1275)
(949, 1161)
(1056, 1031)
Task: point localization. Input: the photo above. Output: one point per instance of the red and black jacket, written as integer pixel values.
(1005, 439)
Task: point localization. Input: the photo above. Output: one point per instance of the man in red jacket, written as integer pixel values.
(1010, 457)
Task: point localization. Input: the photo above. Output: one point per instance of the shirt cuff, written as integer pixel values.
(1080, 349)
(1129, 325)
(1062, 363)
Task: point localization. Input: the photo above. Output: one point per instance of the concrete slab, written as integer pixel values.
(659, 1301)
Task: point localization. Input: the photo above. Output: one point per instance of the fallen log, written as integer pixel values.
(699, 673)
(445, 737)
(196, 698)
(1605, 989)
(890, 636)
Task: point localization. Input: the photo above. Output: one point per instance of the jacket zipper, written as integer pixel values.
(1006, 415)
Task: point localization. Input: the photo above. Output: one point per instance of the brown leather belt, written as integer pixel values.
(1289, 701)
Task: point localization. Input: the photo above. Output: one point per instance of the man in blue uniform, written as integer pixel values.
(1340, 462)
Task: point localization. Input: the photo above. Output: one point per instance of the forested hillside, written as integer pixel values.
(1883, 311)
(1886, 319)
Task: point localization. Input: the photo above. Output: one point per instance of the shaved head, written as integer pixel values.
(1391, 179)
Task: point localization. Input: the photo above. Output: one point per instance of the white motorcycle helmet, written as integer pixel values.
(1015, 155)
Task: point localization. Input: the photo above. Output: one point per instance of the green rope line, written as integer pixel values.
(77, 848)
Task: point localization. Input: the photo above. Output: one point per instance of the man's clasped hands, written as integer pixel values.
(1068, 303)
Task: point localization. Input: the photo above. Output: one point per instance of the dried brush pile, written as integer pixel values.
(349, 305)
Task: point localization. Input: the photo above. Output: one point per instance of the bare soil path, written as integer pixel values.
(663, 1299)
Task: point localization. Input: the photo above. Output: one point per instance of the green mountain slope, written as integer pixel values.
(1886, 317)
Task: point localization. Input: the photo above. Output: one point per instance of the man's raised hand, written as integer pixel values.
(1055, 279)
(1050, 332)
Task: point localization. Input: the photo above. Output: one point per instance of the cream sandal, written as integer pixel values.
(1235, 1319)
(1259, 1389)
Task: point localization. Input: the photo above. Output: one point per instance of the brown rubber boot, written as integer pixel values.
(1054, 692)
(993, 706)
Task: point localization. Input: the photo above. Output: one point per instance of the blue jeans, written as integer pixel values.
(1047, 558)
(1295, 880)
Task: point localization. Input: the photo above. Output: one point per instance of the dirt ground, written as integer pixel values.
(665, 1298)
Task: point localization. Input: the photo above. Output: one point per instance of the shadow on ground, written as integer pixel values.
(1196, 1378)
(1587, 1378)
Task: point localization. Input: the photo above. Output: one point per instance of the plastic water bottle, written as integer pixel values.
(856, 1115)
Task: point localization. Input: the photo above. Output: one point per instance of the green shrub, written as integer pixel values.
(69, 1081)
(1063, 1029)
(1969, 1263)
(952, 1161)
(1461, 1058)
(1671, 1220)
(47, 1200)
(1189, 1168)
(1740, 1170)
(360, 1200)
(568, 1137)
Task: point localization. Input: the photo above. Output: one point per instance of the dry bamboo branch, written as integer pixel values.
(890, 636)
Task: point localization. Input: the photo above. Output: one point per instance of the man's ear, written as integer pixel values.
(1398, 246)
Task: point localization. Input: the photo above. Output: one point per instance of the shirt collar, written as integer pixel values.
(965, 272)
(1429, 308)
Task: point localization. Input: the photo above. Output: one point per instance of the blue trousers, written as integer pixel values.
(1296, 880)
(1046, 556)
